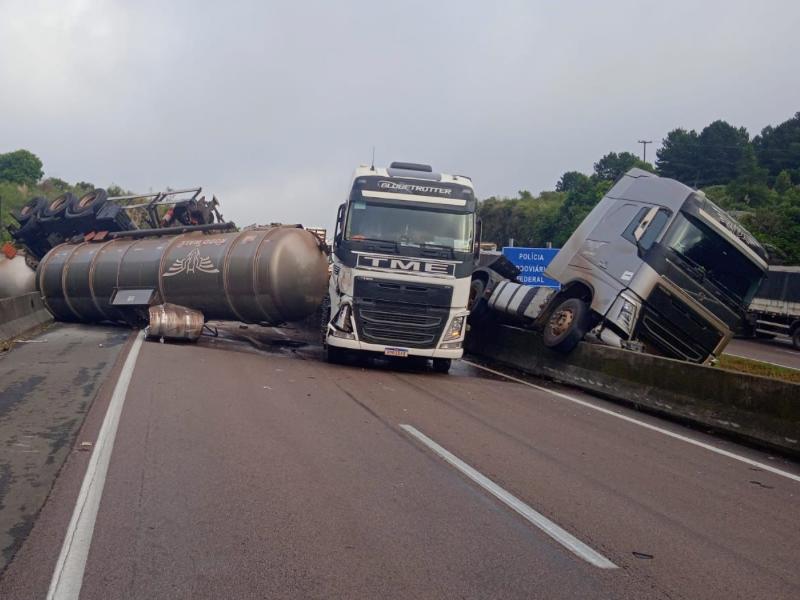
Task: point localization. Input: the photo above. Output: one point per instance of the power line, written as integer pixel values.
(644, 148)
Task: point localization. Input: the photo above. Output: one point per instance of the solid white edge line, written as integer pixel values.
(68, 574)
(563, 537)
(677, 436)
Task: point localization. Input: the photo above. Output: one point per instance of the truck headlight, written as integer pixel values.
(342, 321)
(345, 281)
(455, 329)
(625, 312)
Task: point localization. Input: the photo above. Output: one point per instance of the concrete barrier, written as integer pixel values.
(21, 314)
(761, 410)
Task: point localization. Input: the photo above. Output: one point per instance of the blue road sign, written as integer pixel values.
(532, 262)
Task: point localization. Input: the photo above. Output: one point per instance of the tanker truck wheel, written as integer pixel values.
(325, 318)
(796, 338)
(88, 204)
(57, 207)
(442, 365)
(567, 325)
(30, 210)
(477, 305)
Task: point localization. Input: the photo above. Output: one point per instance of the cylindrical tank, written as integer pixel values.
(267, 275)
(173, 322)
(16, 277)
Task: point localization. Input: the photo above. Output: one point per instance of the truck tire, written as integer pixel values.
(796, 338)
(566, 325)
(335, 355)
(442, 365)
(30, 210)
(87, 205)
(477, 305)
(58, 206)
(325, 318)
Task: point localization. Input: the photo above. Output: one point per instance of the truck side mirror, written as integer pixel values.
(476, 249)
(337, 236)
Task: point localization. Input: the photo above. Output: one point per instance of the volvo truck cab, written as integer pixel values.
(405, 246)
(659, 263)
(655, 266)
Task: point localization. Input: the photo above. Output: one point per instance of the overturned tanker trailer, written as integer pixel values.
(173, 283)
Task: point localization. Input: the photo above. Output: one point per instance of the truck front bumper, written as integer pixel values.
(451, 353)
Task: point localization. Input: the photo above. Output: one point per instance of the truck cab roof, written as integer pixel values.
(401, 170)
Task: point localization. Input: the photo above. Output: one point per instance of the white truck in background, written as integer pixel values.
(775, 309)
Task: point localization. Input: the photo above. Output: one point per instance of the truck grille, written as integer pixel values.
(389, 323)
(675, 329)
(390, 313)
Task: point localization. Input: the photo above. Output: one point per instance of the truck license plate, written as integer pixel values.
(396, 352)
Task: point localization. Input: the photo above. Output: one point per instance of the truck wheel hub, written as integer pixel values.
(561, 322)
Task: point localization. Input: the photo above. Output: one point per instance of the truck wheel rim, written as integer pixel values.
(561, 321)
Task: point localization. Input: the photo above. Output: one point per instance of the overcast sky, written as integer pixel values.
(270, 105)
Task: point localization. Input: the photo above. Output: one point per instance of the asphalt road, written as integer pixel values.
(47, 383)
(778, 352)
(244, 467)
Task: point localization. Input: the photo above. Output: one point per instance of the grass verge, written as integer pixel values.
(756, 367)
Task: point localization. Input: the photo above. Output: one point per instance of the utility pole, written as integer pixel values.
(644, 148)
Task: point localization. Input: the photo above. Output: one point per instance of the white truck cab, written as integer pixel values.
(405, 246)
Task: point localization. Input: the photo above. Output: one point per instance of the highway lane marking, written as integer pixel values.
(563, 537)
(68, 574)
(677, 436)
(766, 362)
(792, 352)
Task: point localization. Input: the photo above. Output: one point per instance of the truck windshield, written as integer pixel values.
(409, 226)
(707, 255)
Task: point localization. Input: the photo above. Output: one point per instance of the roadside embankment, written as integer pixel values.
(20, 315)
(762, 410)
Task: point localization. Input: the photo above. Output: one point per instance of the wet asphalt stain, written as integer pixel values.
(59, 436)
(5, 482)
(116, 338)
(19, 533)
(15, 393)
(69, 348)
(87, 379)
(81, 377)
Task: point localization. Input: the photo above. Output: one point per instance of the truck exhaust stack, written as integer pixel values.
(269, 275)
